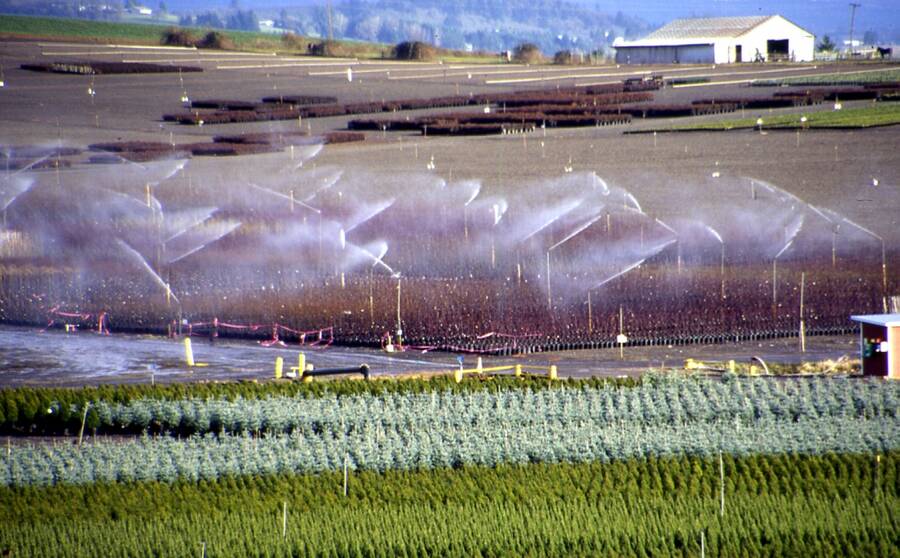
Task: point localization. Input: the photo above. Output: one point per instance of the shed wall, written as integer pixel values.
(683, 54)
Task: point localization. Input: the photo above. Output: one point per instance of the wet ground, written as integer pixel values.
(53, 358)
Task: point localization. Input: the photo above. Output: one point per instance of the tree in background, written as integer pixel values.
(825, 45)
(414, 50)
(527, 53)
(563, 58)
(243, 20)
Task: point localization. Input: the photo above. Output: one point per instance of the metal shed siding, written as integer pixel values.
(685, 54)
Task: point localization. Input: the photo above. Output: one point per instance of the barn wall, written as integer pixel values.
(800, 43)
(894, 352)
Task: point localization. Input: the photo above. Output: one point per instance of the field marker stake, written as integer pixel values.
(284, 521)
(721, 486)
(346, 457)
(83, 421)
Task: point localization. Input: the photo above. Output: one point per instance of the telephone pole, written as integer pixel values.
(331, 23)
(853, 6)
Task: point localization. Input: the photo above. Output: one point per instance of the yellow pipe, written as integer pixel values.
(279, 367)
(553, 373)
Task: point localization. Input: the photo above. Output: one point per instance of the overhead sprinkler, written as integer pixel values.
(677, 244)
(775, 273)
(718, 237)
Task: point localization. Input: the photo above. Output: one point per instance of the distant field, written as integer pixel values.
(60, 28)
(886, 114)
(147, 34)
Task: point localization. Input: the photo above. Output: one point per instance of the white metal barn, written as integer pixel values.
(720, 40)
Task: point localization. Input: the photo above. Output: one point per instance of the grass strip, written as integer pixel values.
(879, 114)
(837, 78)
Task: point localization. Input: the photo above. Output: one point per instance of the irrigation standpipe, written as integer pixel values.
(802, 323)
(399, 321)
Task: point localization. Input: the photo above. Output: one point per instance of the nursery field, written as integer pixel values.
(834, 505)
(661, 465)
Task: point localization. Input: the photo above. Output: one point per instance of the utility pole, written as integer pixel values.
(853, 6)
(331, 24)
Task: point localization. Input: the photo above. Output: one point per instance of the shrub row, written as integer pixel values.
(301, 100)
(221, 104)
(578, 100)
(287, 107)
(24, 410)
(342, 137)
(106, 68)
(777, 505)
(297, 137)
(496, 123)
(801, 98)
(754, 103)
(426, 431)
(850, 94)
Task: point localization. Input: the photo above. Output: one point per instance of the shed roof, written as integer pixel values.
(694, 31)
(884, 320)
(707, 27)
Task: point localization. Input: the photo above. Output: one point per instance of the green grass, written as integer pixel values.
(880, 114)
(63, 28)
(150, 34)
(837, 505)
(837, 78)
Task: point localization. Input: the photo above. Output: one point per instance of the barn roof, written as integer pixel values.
(699, 31)
(707, 28)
